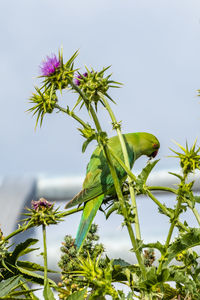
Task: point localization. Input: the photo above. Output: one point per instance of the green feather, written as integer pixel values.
(98, 181)
(89, 212)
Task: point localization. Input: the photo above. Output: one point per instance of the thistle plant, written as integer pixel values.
(145, 279)
(86, 271)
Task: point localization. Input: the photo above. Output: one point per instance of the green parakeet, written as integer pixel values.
(98, 181)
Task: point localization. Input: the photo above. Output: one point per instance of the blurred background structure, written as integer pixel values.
(153, 47)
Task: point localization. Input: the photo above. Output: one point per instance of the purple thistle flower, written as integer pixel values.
(77, 77)
(42, 203)
(49, 65)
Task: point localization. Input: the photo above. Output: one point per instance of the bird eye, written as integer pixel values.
(155, 146)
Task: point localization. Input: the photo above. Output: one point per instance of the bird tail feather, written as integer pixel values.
(89, 212)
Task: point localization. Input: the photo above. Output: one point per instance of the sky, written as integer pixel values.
(153, 48)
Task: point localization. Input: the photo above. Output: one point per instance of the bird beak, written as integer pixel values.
(154, 153)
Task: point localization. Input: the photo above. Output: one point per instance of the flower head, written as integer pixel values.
(41, 204)
(189, 159)
(41, 213)
(77, 77)
(49, 65)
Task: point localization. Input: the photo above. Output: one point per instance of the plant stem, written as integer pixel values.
(171, 229)
(195, 212)
(162, 188)
(45, 254)
(71, 114)
(162, 207)
(17, 231)
(126, 160)
(70, 212)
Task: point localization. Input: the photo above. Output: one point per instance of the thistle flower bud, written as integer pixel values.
(189, 159)
(93, 84)
(78, 78)
(43, 102)
(42, 213)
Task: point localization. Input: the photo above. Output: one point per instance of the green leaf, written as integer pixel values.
(156, 245)
(197, 199)
(33, 277)
(78, 295)
(22, 292)
(151, 276)
(14, 298)
(184, 242)
(163, 277)
(113, 208)
(177, 175)
(6, 286)
(32, 266)
(47, 293)
(142, 177)
(21, 249)
(182, 278)
(87, 142)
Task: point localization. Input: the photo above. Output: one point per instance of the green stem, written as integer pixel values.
(17, 231)
(176, 214)
(171, 229)
(95, 119)
(45, 254)
(71, 114)
(162, 188)
(195, 212)
(76, 88)
(126, 160)
(164, 209)
(70, 212)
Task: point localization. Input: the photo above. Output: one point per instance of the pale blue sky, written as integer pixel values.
(153, 47)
